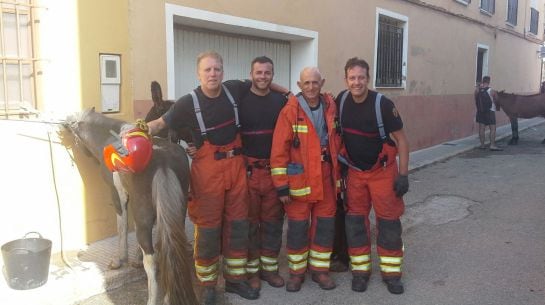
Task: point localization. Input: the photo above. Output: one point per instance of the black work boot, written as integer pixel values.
(243, 289)
(209, 295)
(359, 283)
(395, 286)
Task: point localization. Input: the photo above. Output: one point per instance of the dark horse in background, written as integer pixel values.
(156, 195)
(521, 106)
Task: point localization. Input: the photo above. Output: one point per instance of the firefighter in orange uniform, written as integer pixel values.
(304, 169)
(219, 208)
(372, 133)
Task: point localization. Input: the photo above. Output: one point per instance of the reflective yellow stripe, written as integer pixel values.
(270, 267)
(269, 260)
(297, 266)
(300, 128)
(235, 262)
(387, 268)
(253, 263)
(361, 267)
(206, 269)
(252, 270)
(297, 257)
(320, 255)
(300, 192)
(207, 278)
(235, 271)
(391, 260)
(318, 263)
(278, 171)
(358, 259)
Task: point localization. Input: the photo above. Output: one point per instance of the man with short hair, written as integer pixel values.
(485, 100)
(259, 110)
(305, 172)
(219, 205)
(372, 133)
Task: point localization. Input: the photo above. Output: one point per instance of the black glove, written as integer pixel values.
(401, 185)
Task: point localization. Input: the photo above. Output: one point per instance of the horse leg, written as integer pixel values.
(144, 236)
(514, 131)
(122, 223)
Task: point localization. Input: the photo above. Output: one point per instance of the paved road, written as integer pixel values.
(474, 233)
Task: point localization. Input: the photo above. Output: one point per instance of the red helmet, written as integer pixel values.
(133, 155)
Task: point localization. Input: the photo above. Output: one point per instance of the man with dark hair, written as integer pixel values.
(259, 111)
(372, 134)
(485, 101)
(219, 205)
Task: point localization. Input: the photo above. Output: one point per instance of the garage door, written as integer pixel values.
(237, 52)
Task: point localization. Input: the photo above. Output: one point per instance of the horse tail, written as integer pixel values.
(174, 258)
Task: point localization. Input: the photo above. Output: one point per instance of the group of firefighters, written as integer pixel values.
(258, 151)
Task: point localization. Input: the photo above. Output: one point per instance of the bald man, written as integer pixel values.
(304, 170)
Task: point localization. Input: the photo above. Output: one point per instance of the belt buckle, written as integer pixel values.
(230, 153)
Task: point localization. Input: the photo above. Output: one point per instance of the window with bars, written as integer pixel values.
(488, 6)
(512, 11)
(534, 20)
(17, 79)
(390, 52)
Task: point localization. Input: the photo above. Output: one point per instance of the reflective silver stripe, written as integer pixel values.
(300, 128)
(269, 267)
(279, 171)
(358, 259)
(269, 260)
(298, 257)
(235, 271)
(297, 266)
(206, 269)
(252, 270)
(361, 267)
(207, 278)
(232, 100)
(300, 192)
(394, 260)
(253, 263)
(198, 113)
(318, 263)
(320, 255)
(235, 262)
(388, 269)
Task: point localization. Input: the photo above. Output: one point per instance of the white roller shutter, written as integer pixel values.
(237, 52)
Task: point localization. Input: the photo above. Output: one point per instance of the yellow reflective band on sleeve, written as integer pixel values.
(390, 269)
(318, 263)
(320, 255)
(235, 262)
(358, 259)
(297, 266)
(269, 260)
(297, 257)
(394, 260)
(300, 192)
(253, 263)
(361, 267)
(300, 128)
(278, 171)
(206, 269)
(207, 278)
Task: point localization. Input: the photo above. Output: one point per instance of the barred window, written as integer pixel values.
(512, 11)
(17, 87)
(488, 6)
(390, 52)
(534, 20)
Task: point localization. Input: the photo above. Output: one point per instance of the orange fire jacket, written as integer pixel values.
(296, 171)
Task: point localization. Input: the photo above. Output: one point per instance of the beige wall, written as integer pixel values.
(441, 52)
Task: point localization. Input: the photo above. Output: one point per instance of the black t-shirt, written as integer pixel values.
(360, 129)
(218, 114)
(258, 115)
